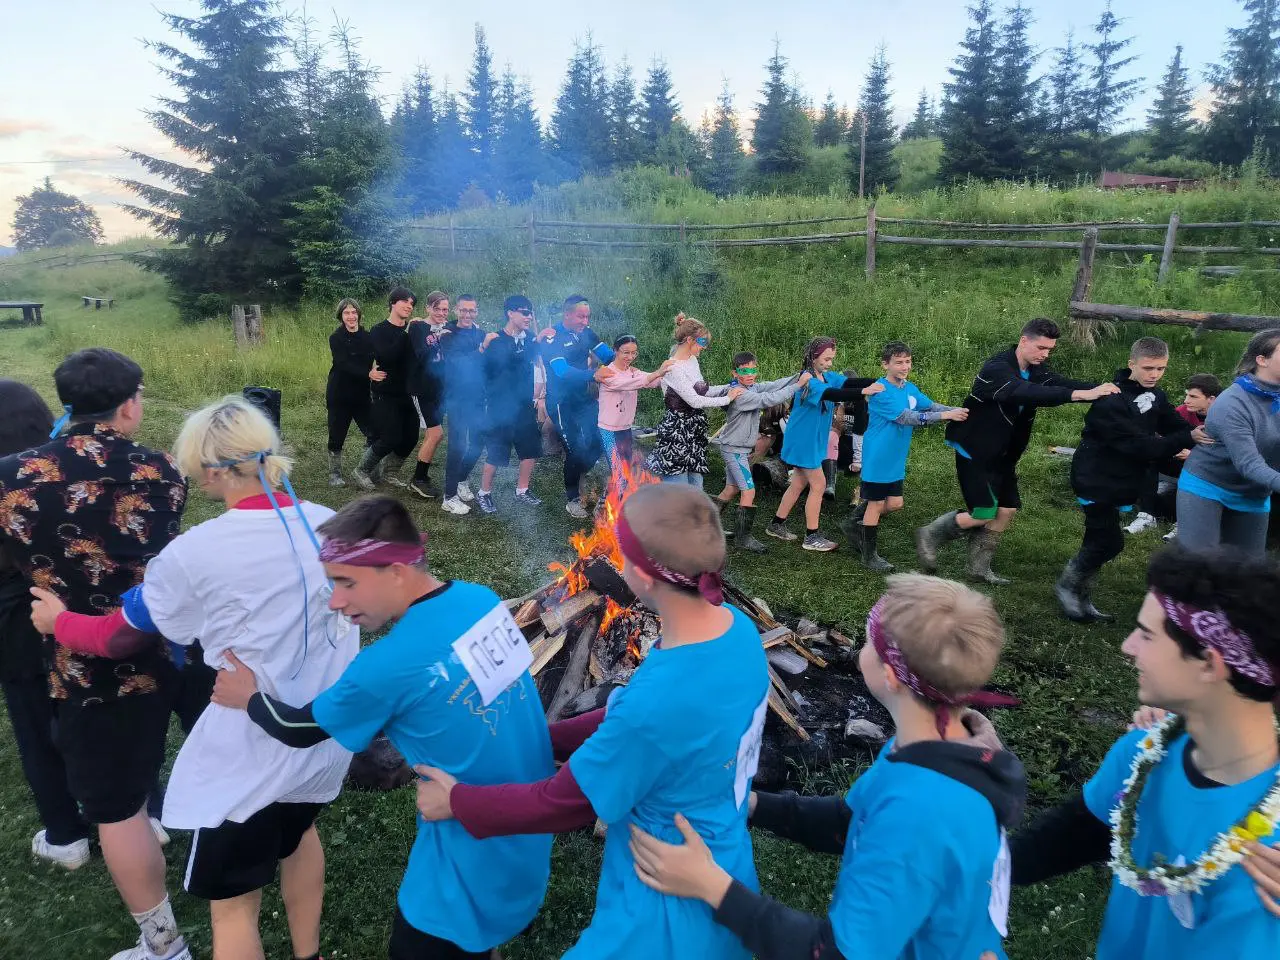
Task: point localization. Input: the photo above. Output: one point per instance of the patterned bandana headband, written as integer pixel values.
(817, 347)
(1211, 628)
(889, 651)
(373, 553)
(709, 584)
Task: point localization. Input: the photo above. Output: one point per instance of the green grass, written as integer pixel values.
(954, 307)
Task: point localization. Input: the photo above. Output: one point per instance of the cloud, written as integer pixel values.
(16, 127)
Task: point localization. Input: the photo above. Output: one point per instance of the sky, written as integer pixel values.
(79, 78)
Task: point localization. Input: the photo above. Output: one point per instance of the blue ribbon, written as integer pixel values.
(61, 422)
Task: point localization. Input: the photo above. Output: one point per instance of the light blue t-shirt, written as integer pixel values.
(1177, 819)
(1230, 499)
(410, 684)
(671, 742)
(804, 442)
(887, 444)
(916, 877)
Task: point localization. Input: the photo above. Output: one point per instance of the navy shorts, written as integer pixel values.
(871, 491)
(520, 431)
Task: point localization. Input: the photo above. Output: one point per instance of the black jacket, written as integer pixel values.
(352, 359)
(1125, 435)
(394, 354)
(1002, 407)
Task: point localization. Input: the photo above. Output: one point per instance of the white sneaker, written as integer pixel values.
(464, 492)
(69, 855)
(455, 505)
(1172, 535)
(139, 951)
(1143, 521)
(158, 829)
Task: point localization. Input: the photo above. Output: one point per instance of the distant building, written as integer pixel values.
(1115, 180)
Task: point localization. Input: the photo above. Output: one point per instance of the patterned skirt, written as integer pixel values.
(681, 445)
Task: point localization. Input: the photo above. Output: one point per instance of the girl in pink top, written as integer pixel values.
(619, 383)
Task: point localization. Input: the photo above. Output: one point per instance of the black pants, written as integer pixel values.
(465, 427)
(31, 715)
(395, 425)
(410, 943)
(347, 402)
(578, 428)
(1103, 537)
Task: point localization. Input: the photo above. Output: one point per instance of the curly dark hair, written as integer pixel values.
(1243, 587)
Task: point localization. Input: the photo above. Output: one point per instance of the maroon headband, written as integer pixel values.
(889, 651)
(709, 584)
(373, 553)
(817, 346)
(1211, 628)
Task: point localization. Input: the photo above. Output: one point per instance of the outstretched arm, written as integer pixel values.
(1060, 840)
(109, 635)
(819, 823)
(553, 805)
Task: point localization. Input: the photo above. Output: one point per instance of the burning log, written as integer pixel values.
(527, 614)
(576, 671)
(605, 578)
(563, 614)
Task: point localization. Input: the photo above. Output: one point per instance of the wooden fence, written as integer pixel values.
(75, 260)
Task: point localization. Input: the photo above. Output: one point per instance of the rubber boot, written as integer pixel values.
(852, 528)
(742, 538)
(931, 537)
(364, 472)
(1070, 592)
(335, 470)
(389, 470)
(722, 507)
(829, 471)
(871, 558)
(982, 550)
(1086, 596)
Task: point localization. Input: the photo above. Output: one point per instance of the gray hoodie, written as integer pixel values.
(1246, 457)
(742, 416)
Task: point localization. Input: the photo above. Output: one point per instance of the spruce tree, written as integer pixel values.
(518, 152)
(479, 107)
(681, 151)
(1062, 122)
(658, 109)
(47, 217)
(452, 166)
(233, 114)
(921, 124)
(1246, 89)
(625, 143)
(580, 121)
(1108, 95)
(828, 131)
(780, 138)
(966, 122)
(724, 147)
(875, 106)
(1169, 121)
(413, 131)
(1014, 104)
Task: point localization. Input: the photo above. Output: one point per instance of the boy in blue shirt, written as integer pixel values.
(665, 745)
(893, 415)
(925, 870)
(450, 686)
(1207, 649)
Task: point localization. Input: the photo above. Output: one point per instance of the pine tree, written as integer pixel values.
(478, 112)
(580, 122)
(1246, 89)
(518, 153)
(875, 106)
(724, 148)
(452, 166)
(233, 113)
(625, 143)
(1108, 96)
(680, 151)
(47, 217)
(1014, 103)
(1169, 121)
(1065, 107)
(921, 126)
(780, 138)
(828, 131)
(658, 110)
(966, 123)
(413, 130)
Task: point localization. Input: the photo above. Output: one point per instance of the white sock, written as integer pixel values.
(520, 490)
(159, 929)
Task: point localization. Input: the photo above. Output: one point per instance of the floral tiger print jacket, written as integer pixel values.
(81, 515)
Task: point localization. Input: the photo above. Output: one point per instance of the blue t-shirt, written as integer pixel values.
(916, 879)
(670, 743)
(410, 684)
(1230, 499)
(886, 444)
(804, 443)
(1177, 819)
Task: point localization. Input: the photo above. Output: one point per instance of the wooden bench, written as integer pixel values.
(31, 315)
(98, 302)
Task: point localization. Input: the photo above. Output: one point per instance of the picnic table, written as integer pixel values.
(31, 315)
(98, 302)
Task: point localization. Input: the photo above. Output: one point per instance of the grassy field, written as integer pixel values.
(954, 307)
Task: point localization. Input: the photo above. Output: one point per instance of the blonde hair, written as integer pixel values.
(687, 327)
(435, 296)
(231, 429)
(678, 526)
(950, 635)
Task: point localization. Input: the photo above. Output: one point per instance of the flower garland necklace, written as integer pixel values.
(1165, 879)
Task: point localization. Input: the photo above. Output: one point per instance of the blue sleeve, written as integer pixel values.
(134, 608)
(1102, 791)
(882, 405)
(359, 705)
(560, 367)
(618, 765)
(922, 402)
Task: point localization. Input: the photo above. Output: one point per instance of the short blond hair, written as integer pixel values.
(949, 634)
(230, 429)
(678, 526)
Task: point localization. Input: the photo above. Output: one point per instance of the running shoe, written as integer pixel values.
(528, 499)
(455, 506)
(1143, 521)
(69, 855)
(464, 492)
(575, 509)
(1172, 535)
(425, 489)
(816, 541)
(779, 530)
(139, 951)
(484, 500)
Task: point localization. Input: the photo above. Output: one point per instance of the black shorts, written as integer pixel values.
(410, 943)
(430, 404)
(233, 859)
(113, 751)
(871, 490)
(520, 431)
(987, 486)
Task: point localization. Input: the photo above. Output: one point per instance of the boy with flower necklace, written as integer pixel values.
(1179, 806)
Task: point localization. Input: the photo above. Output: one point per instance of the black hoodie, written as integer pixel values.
(773, 931)
(1125, 435)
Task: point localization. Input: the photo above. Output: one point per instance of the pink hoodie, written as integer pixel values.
(618, 397)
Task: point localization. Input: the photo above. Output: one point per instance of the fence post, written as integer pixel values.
(253, 322)
(1084, 273)
(871, 242)
(238, 325)
(453, 243)
(1170, 238)
(682, 231)
(533, 238)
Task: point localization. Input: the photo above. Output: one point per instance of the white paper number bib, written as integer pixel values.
(749, 753)
(1001, 876)
(494, 652)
